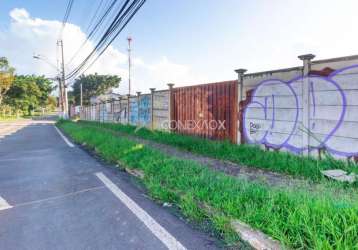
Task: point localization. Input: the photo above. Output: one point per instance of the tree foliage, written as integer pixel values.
(93, 85)
(28, 93)
(6, 77)
(51, 103)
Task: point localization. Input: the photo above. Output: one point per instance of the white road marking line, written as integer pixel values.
(64, 138)
(160, 232)
(3, 204)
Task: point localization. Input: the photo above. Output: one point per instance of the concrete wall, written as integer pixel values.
(144, 109)
(133, 110)
(161, 110)
(304, 109)
(304, 113)
(137, 111)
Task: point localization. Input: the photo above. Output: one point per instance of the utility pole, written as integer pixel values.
(129, 64)
(63, 80)
(60, 94)
(58, 78)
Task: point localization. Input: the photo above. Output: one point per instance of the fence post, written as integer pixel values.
(128, 108)
(103, 107)
(171, 104)
(100, 111)
(91, 112)
(120, 109)
(152, 108)
(138, 110)
(112, 107)
(240, 81)
(305, 128)
(96, 112)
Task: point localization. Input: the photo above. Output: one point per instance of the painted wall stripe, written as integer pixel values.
(160, 232)
(64, 138)
(3, 204)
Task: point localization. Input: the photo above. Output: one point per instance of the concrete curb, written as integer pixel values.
(255, 238)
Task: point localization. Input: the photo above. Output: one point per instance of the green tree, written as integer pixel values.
(51, 103)
(93, 85)
(6, 77)
(28, 93)
(45, 86)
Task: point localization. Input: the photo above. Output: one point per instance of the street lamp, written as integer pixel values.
(46, 60)
(62, 96)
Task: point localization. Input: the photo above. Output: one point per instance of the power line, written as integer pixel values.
(62, 82)
(67, 14)
(113, 38)
(125, 14)
(94, 16)
(94, 30)
(110, 31)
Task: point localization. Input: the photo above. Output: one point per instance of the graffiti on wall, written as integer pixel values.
(133, 111)
(144, 110)
(275, 115)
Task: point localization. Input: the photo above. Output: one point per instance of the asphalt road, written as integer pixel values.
(55, 196)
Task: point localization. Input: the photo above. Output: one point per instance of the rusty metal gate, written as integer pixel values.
(207, 110)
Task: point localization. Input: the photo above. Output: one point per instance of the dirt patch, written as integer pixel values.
(250, 173)
(227, 167)
(230, 168)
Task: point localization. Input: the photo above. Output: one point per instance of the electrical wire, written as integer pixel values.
(94, 30)
(94, 16)
(123, 17)
(66, 16)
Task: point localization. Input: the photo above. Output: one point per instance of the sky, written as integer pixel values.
(183, 42)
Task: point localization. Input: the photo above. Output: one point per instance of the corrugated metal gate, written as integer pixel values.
(208, 110)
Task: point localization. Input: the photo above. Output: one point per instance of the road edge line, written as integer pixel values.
(160, 232)
(70, 144)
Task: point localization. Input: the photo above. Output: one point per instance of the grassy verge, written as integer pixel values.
(8, 118)
(297, 218)
(248, 155)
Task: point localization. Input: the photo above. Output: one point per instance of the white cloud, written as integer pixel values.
(27, 36)
(273, 33)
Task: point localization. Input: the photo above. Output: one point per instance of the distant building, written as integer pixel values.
(105, 97)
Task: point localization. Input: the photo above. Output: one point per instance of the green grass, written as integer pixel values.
(300, 219)
(20, 117)
(248, 155)
(7, 118)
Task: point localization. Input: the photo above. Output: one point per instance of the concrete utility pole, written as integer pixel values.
(63, 80)
(129, 39)
(60, 94)
(58, 78)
